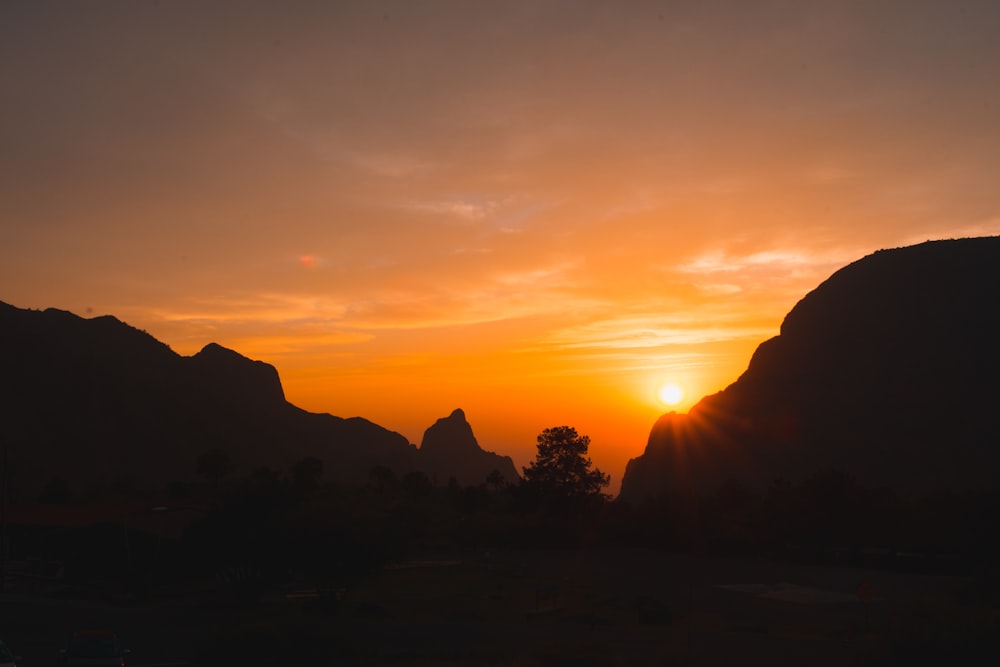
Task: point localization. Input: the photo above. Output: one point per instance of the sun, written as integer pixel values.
(670, 393)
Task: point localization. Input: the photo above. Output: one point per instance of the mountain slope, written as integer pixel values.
(95, 400)
(888, 370)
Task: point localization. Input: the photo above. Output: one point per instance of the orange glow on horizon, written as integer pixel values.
(534, 219)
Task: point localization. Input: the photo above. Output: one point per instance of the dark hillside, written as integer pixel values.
(888, 371)
(99, 403)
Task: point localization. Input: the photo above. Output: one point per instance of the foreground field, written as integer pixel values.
(591, 607)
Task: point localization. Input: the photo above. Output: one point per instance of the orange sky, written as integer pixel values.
(534, 211)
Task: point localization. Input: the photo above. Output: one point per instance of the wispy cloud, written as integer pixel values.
(505, 212)
(390, 165)
(502, 295)
(257, 308)
(720, 261)
(724, 272)
(645, 332)
(467, 209)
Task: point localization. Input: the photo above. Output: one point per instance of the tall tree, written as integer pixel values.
(562, 469)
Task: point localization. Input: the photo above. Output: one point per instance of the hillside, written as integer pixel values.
(97, 403)
(887, 371)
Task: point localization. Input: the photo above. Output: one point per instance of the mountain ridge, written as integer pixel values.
(887, 370)
(96, 401)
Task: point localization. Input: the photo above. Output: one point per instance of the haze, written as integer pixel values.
(539, 212)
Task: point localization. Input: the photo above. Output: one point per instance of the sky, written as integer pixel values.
(539, 212)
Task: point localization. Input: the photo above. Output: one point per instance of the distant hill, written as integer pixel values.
(889, 371)
(97, 402)
(449, 449)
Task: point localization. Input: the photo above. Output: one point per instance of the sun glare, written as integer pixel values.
(671, 393)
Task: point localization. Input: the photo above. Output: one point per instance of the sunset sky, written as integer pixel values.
(536, 211)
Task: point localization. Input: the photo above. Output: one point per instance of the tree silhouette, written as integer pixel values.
(307, 473)
(215, 464)
(495, 481)
(383, 479)
(417, 484)
(561, 469)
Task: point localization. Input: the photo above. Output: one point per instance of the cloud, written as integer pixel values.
(719, 261)
(721, 289)
(506, 213)
(256, 308)
(387, 300)
(723, 272)
(391, 165)
(541, 278)
(651, 331)
(467, 209)
(504, 294)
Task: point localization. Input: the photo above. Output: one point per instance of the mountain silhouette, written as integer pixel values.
(450, 450)
(96, 401)
(887, 371)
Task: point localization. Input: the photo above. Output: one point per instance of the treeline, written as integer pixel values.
(266, 529)
(828, 517)
(249, 533)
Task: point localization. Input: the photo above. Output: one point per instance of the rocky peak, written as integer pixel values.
(449, 449)
(224, 370)
(94, 399)
(450, 436)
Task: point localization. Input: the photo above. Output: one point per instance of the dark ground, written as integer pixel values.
(592, 607)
